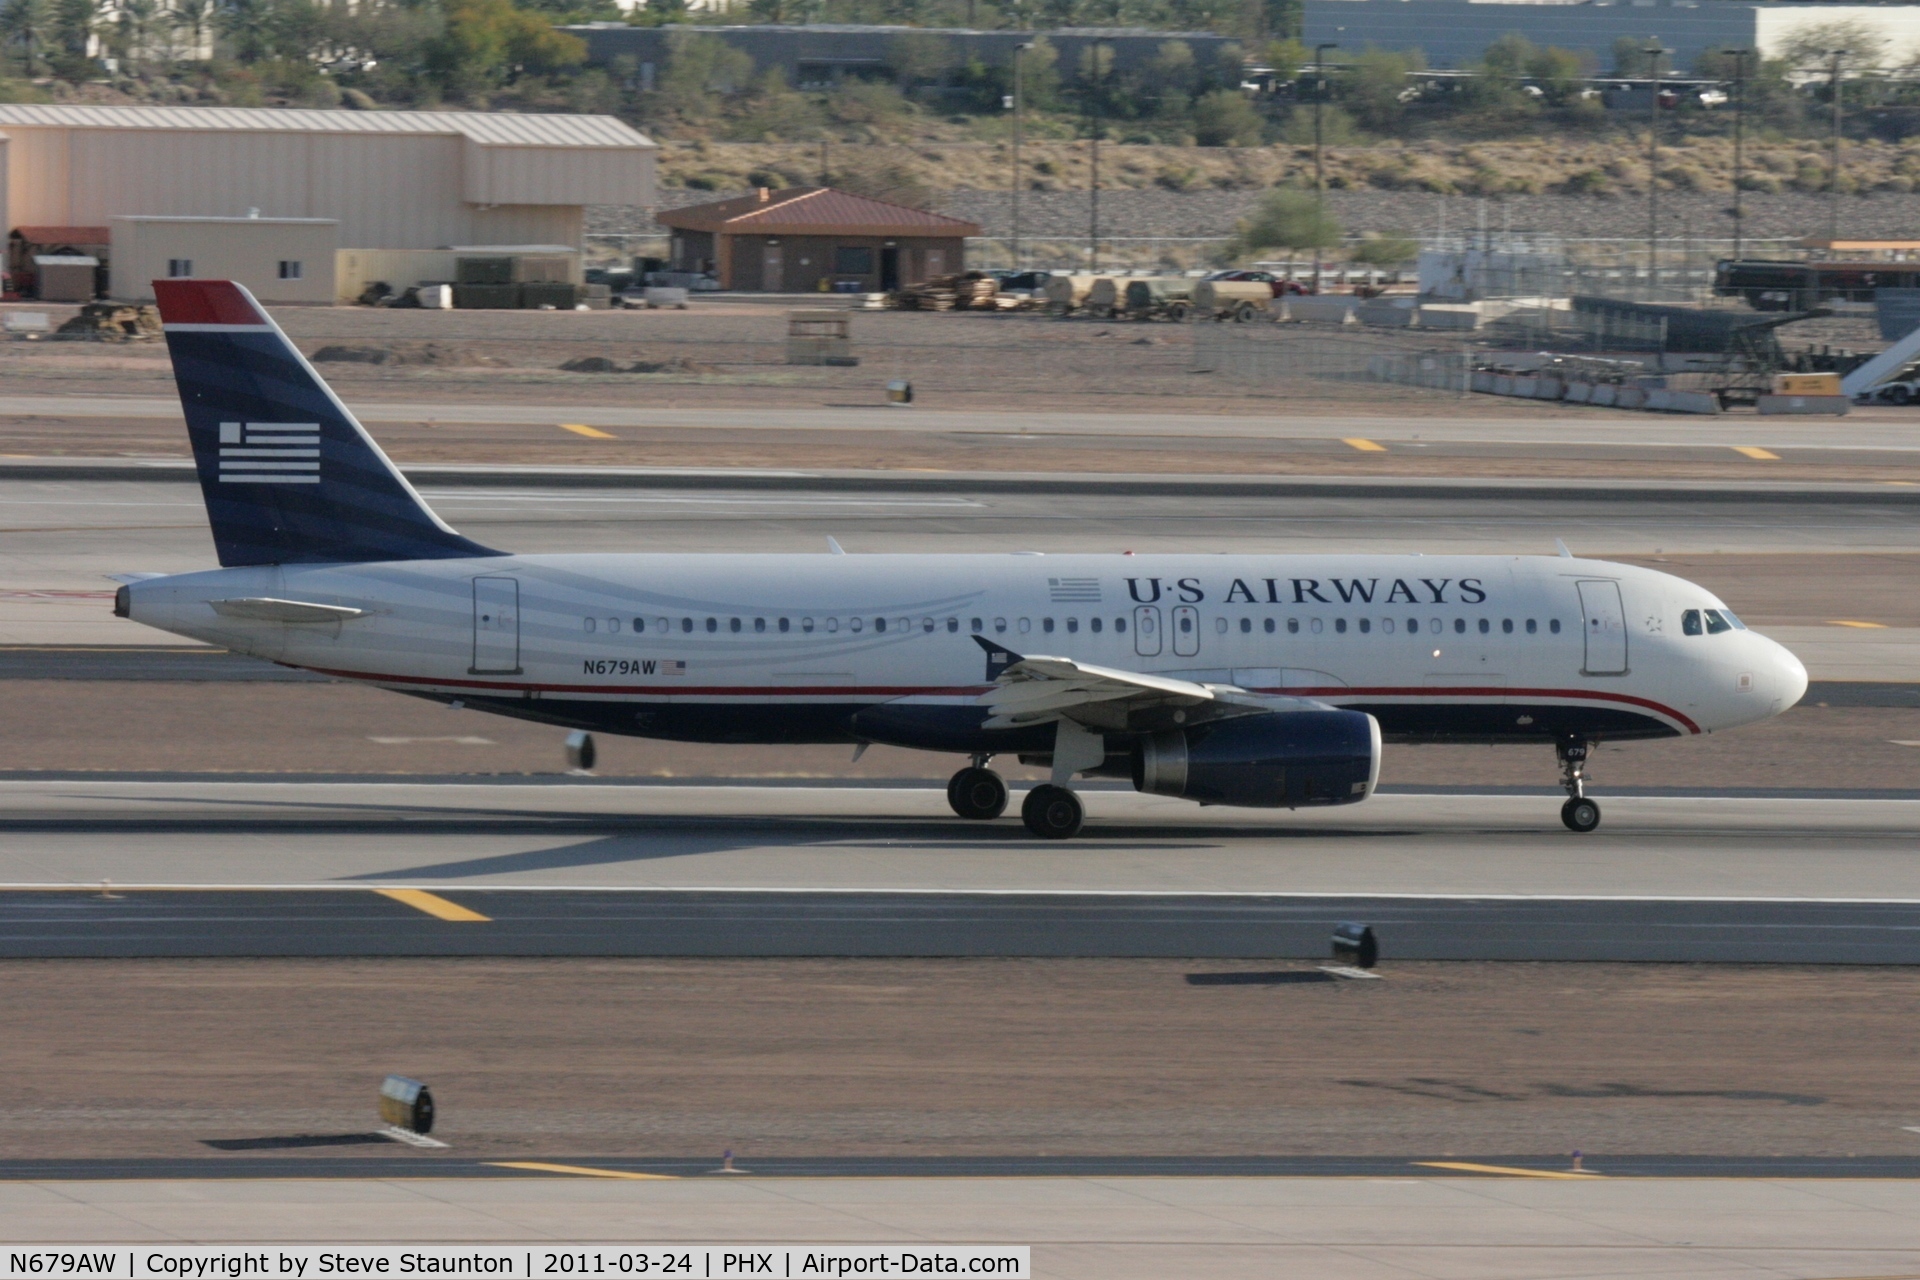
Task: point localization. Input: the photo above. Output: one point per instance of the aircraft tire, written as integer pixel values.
(977, 794)
(1580, 815)
(1052, 813)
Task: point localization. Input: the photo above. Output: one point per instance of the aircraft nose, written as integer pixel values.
(1790, 675)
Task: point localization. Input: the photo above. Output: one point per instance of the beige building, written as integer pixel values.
(279, 259)
(387, 179)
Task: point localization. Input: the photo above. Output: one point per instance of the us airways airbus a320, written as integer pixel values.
(1256, 680)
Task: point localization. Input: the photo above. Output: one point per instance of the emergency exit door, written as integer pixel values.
(496, 626)
(1606, 628)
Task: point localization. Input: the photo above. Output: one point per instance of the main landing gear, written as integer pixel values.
(1579, 813)
(978, 793)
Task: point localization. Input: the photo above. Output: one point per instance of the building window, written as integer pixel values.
(852, 260)
(291, 269)
(179, 268)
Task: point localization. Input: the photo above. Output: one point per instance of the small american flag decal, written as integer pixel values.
(1073, 590)
(270, 453)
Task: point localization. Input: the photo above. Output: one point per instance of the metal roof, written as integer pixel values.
(814, 211)
(494, 129)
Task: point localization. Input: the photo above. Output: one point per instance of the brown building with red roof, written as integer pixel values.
(789, 241)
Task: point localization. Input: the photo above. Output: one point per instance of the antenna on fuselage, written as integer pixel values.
(1564, 553)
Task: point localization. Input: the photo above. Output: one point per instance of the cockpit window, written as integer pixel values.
(1735, 622)
(1690, 623)
(1717, 622)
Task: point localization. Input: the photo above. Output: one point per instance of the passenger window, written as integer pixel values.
(1046, 625)
(1314, 626)
(1459, 626)
(613, 625)
(806, 625)
(854, 625)
(879, 624)
(592, 626)
(1386, 625)
(1716, 623)
(713, 624)
(785, 625)
(1119, 625)
(1366, 625)
(1246, 625)
(903, 624)
(1293, 626)
(1486, 625)
(1220, 626)
(639, 625)
(1000, 626)
(733, 625)
(1340, 625)
(1690, 623)
(1268, 624)
(1436, 626)
(1553, 625)
(833, 625)
(1413, 626)
(953, 626)
(1532, 626)
(977, 625)
(760, 624)
(1025, 625)
(686, 624)
(926, 625)
(1506, 626)
(1073, 625)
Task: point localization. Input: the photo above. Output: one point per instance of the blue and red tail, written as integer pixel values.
(290, 476)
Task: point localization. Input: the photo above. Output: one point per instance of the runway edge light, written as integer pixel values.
(406, 1104)
(1355, 944)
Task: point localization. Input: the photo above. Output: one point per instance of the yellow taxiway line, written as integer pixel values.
(1504, 1171)
(1363, 445)
(432, 903)
(1756, 453)
(591, 433)
(580, 1171)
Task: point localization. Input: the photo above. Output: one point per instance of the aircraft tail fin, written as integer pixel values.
(289, 474)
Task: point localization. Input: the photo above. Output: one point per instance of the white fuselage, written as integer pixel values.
(781, 648)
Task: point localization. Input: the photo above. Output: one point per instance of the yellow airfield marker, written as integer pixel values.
(1756, 453)
(591, 433)
(1363, 445)
(1863, 626)
(1504, 1170)
(580, 1171)
(433, 904)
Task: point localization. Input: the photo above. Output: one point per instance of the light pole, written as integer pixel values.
(1015, 245)
(1833, 154)
(1098, 55)
(1740, 57)
(1319, 168)
(1653, 52)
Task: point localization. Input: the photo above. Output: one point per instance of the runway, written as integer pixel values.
(199, 868)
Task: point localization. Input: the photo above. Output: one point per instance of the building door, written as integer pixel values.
(889, 269)
(496, 626)
(1146, 631)
(773, 269)
(1606, 627)
(1186, 631)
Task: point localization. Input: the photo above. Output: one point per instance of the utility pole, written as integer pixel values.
(1833, 154)
(1095, 87)
(1014, 246)
(1319, 168)
(1653, 52)
(1740, 57)
(825, 173)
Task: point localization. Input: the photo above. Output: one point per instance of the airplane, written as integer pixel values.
(1266, 681)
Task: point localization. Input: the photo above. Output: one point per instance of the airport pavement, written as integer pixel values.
(1385, 1226)
(199, 868)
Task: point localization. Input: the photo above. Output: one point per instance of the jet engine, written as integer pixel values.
(1275, 760)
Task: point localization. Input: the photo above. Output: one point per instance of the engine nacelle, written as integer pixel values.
(1280, 760)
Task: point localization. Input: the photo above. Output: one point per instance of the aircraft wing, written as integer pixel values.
(1039, 688)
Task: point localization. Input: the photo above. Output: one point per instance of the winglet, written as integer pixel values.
(999, 657)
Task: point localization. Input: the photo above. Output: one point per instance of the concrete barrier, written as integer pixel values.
(1837, 406)
(1579, 393)
(1457, 317)
(1318, 310)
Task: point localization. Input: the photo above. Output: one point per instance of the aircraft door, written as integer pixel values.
(496, 626)
(1186, 631)
(1146, 631)
(1606, 629)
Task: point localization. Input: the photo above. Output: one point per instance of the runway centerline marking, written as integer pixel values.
(1756, 453)
(580, 1171)
(433, 904)
(1506, 1171)
(1363, 444)
(591, 433)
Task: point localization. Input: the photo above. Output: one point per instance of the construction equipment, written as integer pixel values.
(1242, 301)
(1888, 367)
(1159, 298)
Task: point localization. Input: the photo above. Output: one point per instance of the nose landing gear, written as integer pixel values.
(1578, 813)
(977, 792)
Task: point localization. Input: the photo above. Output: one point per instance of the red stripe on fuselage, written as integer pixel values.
(931, 691)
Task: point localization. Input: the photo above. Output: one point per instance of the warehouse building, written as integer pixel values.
(387, 180)
(814, 239)
(1454, 33)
